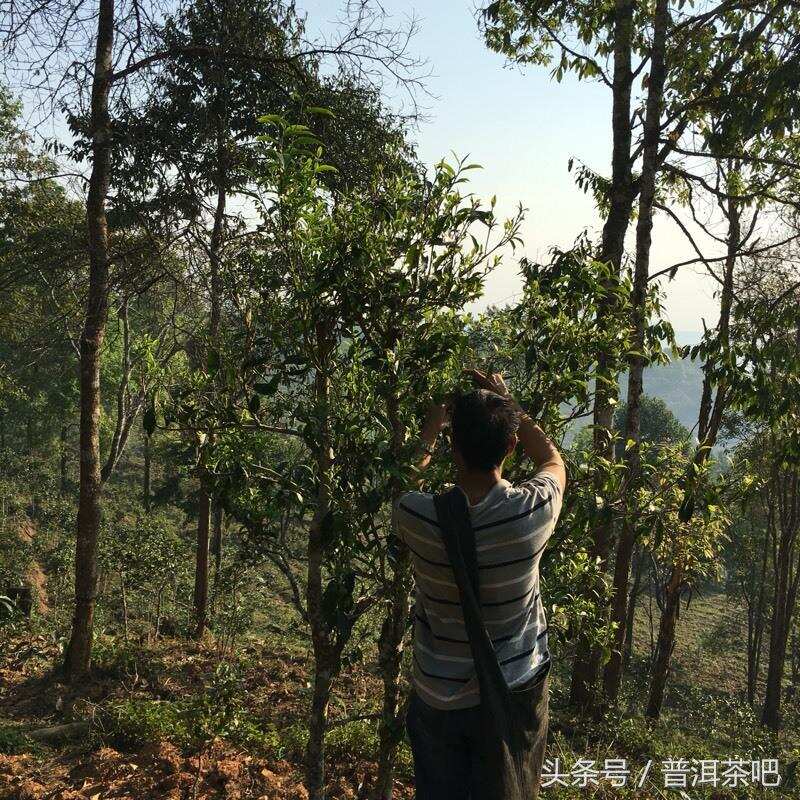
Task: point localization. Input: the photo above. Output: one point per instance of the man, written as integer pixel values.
(511, 525)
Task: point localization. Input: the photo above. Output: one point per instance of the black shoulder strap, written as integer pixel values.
(459, 541)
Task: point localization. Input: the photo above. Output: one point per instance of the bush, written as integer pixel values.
(116, 658)
(130, 724)
(13, 741)
(190, 723)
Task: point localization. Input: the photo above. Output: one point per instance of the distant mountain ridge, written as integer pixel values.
(678, 384)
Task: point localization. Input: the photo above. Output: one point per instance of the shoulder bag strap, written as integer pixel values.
(459, 541)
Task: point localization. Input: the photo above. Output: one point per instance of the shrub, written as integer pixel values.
(130, 724)
(13, 741)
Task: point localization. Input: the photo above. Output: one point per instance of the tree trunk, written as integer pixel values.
(205, 500)
(216, 551)
(393, 632)
(78, 654)
(201, 563)
(755, 629)
(146, 491)
(124, 606)
(62, 461)
(778, 640)
(612, 676)
(326, 661)
(317, 727)
(632, 599)
(665, 644)
(587, 659)
(390, 658)
(644, 230)
(787, 577)
(216, 541)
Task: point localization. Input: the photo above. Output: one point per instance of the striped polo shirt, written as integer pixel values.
(512, 525)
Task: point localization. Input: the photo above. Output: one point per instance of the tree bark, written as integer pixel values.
(390, 649)
(205, 500)
(326, 653)
(216, 540)
(755, 629)
(786, 564)
(201, 563)
(644, 229)
(632, 599)
(324, 670)
(393, 632)
(665, 644)
(216, 551)
(78, 654)
(62, 460)
(587, 658)
(146, 475)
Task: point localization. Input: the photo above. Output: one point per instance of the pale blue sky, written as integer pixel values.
(522, 127)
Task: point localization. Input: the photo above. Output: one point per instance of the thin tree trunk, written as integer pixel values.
(756, 625)
(78, 654)
(644, 229)
(201, 563)
(587, 658)
(665, 644)
(216, 542)
(390, 643)
(324, 670)
(62, 463)
(216, 551)
(787, 577)
(205, 500)
(124, 606)
(326, 661)
(612, 675)
(779, 637)
(632, 600)
(146, 490)
(158, 611)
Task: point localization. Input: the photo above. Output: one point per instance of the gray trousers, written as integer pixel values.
(453, 758)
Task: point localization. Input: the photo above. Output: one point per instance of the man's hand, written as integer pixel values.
(492, 382)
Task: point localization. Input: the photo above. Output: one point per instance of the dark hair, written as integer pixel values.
(482, 424)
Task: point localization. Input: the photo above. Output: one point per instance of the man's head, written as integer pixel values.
(484, 429)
